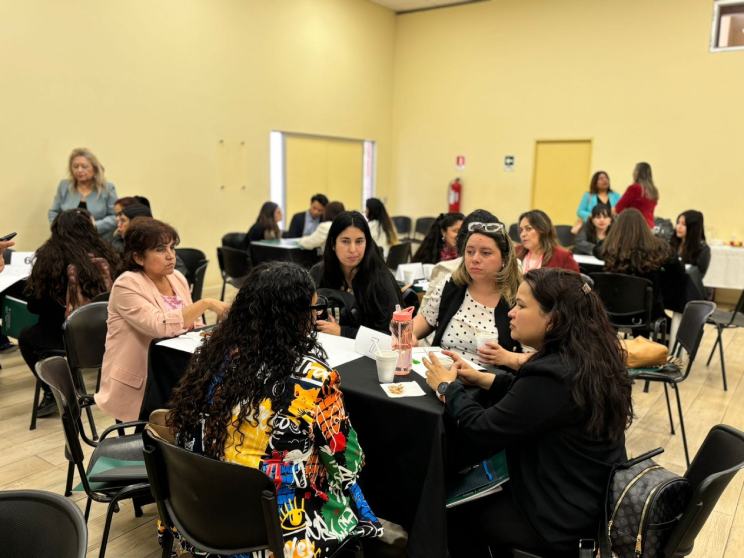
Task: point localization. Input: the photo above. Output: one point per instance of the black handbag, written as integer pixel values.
(342, 306)
(644, 502)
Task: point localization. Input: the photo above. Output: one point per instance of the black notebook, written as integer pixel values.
(476, 482)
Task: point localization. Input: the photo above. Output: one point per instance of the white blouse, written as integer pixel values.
(378, 235)
(470, 319)
(318, 237)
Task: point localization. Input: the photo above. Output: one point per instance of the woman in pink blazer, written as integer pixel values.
(148, 301)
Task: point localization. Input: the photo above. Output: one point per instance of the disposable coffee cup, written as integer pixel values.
(386, 361)
(482, 339)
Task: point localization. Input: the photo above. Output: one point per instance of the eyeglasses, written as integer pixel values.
(486, 227)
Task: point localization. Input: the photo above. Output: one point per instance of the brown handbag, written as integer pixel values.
(644, 353)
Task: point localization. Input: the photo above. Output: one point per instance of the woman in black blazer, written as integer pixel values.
(561, 421)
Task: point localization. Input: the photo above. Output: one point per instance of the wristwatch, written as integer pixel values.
(442, 388)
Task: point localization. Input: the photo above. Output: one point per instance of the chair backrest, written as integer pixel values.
(423, 224)
(55, 372)
(565, 236)
(84, 334)
(237, 263)
(39, 523)
(234, 240)
(402, 225)
(101, 297)
(627, 299)
(398, 254)
(192, 259)
(690, 331)
(198, 286)
(714, 465)
(514, 232)
(198, 496)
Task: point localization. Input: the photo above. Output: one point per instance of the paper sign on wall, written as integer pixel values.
(509, 163)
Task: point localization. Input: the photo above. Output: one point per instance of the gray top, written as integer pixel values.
(99, 204)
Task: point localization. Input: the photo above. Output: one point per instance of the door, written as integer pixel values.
(318, 165)
(562, 174)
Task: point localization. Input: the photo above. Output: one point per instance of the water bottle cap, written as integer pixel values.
(405, 315)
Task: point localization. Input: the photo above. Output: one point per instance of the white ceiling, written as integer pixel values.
(400, 6)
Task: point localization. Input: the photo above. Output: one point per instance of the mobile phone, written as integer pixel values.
(8, 237)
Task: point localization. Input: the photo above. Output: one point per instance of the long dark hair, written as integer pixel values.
(249, 357)
(580, 333)
(371, 274)
(593, 188)
(540, 221)
(433, 242)
(599, 210)
(376, 212)
(266, 221)
(689, 247)
(74, 240)
(631, 247)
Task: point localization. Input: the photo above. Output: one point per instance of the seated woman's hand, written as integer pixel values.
(436, 372)
(495, 354)
(329, 326)
(219, 307)
(467, 374)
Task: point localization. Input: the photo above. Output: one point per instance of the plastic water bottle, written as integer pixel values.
(401, 328)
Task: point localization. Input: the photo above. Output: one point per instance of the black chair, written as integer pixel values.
(402, 226)
(198, 287)
(116, 469)
(38, 523)
(193, 259)
(423, 224)
(103, 297)
(234, 266)
(565, 236)
(398, 254)
(196, 496)
(723, 319)
(629, 303)
(514, 232)
(689, 334)
(84, 334)
(715, 464)
(234, 240)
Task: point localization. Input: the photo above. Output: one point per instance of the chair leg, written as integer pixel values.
(646, 386)
(723, 364)
(669, 408)
(718, 340)
(222, 295)
(112, 509)
(87, 508)
(682, 424)
(70, 474)
(37, 395)
(167, 542)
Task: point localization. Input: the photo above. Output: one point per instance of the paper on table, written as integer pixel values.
(368, 342)
(340, 350)
(12, 274)
(21, 258)
(419, 353)
(416, 268)
(410, 389)
(188, 342)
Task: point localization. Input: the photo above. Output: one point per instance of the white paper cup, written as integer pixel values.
(386, 361)
(481, 339)
(443, 359)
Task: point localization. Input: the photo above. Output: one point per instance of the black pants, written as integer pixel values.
(495, 522)
(37, 343)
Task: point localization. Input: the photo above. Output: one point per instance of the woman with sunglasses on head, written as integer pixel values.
(475, 300)
(540, 246)
(352, 264)
(561, 423)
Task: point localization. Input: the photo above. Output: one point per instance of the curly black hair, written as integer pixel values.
(249, 357)
(74, 240)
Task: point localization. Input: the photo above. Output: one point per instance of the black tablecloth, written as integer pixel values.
(403, 441)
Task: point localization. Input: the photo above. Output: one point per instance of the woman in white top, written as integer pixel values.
(475, 300)
(380, 225)
(318, 237)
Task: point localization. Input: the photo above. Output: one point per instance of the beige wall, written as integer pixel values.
(489, 79)
(152, 86)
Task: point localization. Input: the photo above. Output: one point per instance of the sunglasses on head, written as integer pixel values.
(486, 227)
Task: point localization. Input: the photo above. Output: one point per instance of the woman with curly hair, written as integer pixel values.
(440, 243)
(260, 393)
(631, 248)
(75, 250)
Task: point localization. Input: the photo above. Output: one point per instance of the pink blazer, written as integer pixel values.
(137, 314)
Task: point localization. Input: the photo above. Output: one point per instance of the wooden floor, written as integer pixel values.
(36, 459)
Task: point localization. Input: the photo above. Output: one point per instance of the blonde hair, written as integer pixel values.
(643, 176)
(99, 178)
(507, 278)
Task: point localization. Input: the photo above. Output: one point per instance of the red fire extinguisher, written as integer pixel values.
(454, 194)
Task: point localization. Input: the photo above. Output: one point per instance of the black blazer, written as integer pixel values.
(558, 473)
(297, 225)
(452, 297)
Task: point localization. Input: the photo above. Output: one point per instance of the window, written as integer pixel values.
(728, 25)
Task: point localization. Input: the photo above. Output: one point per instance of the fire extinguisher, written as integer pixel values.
(454, 194)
